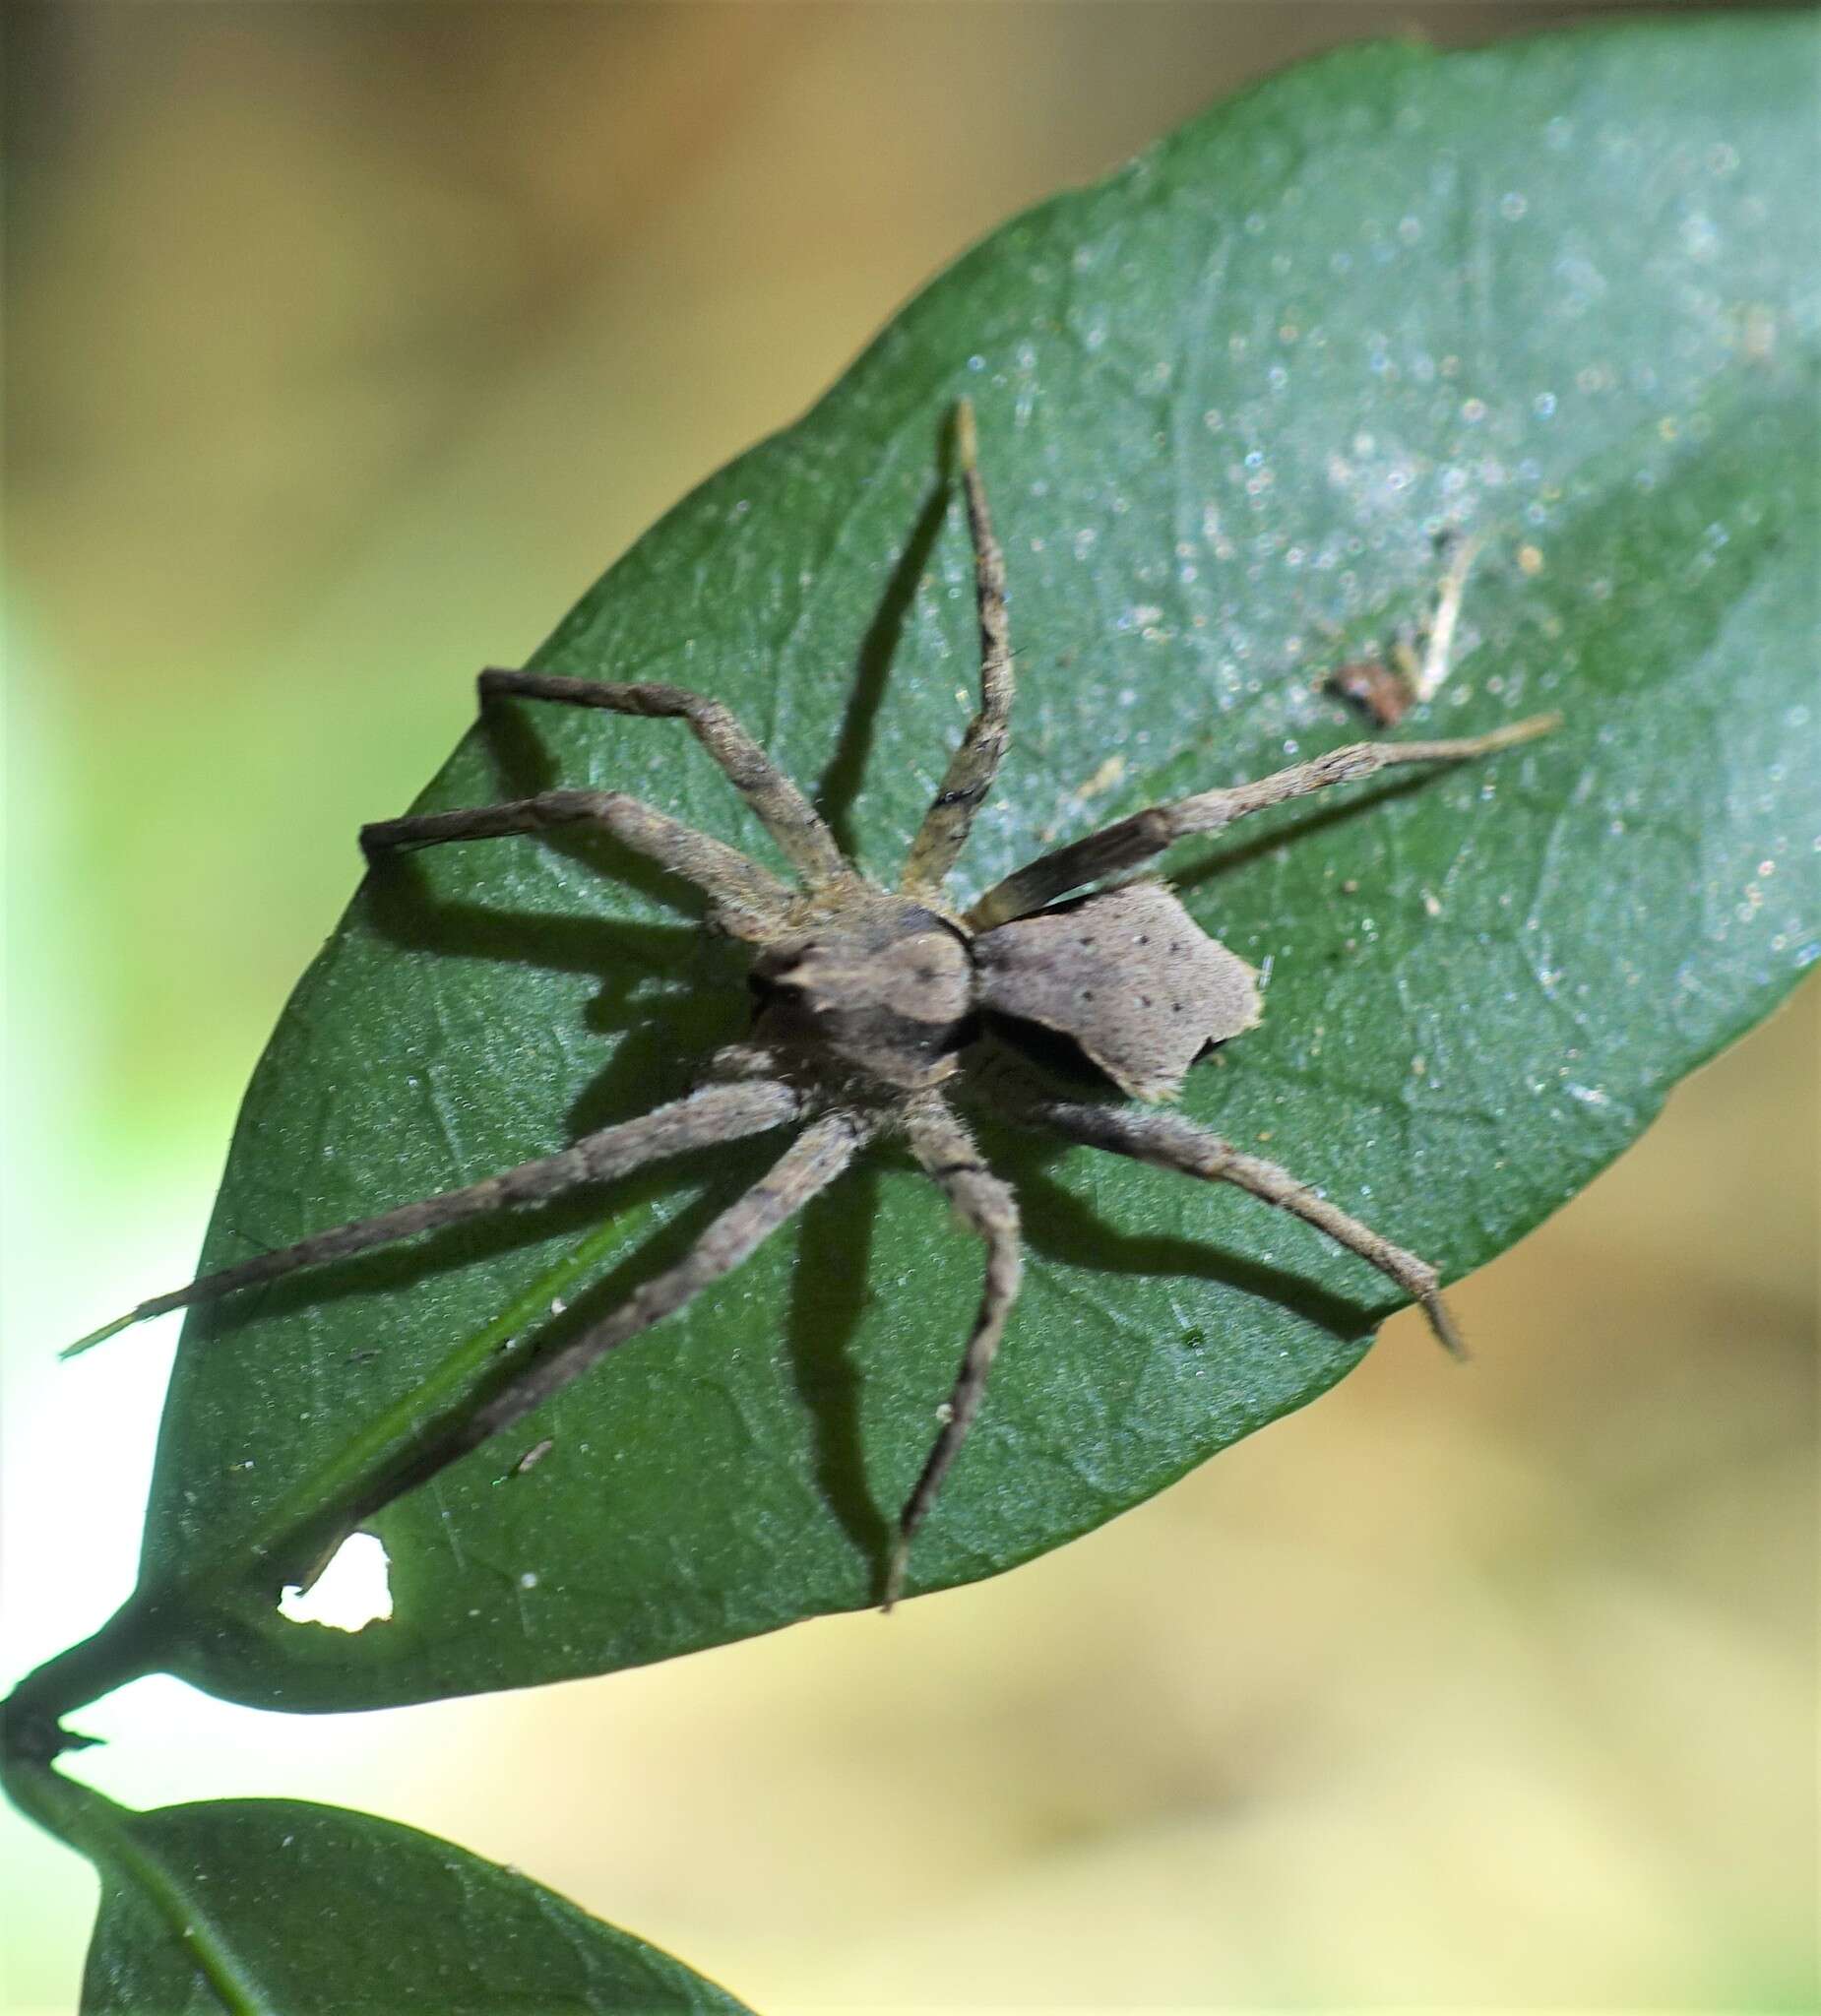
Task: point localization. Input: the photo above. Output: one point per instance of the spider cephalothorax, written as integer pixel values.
(867, 1001)
(882, 983)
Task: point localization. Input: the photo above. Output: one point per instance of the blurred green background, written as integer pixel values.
(345, 345)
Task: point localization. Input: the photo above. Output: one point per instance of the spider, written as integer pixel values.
(866, 999)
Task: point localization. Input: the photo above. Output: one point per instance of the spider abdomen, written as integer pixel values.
(1127, 975)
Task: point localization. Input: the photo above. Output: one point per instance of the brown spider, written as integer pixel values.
(865, 1000)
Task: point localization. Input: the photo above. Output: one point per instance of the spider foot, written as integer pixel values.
(1441, 1321)
(895, 1568)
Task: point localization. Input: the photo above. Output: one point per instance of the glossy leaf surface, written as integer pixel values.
(1551, 293)
(283, 1907)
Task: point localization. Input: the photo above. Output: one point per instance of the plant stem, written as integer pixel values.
(97, 1829)
(130, 1645)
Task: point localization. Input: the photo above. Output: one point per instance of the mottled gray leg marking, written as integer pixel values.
(1131, 840)
(975, 762)
(785, 814)
(946, 1150)
(1170, 1142)
(824, 1149)
(717, 1112)
(748, 902)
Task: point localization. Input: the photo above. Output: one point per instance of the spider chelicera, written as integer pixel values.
(868, 1000)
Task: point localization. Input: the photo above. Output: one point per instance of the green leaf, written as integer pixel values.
(280, 1907)
(1550, 293)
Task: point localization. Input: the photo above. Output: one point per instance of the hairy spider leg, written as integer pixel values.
(985, 1203)
(975, 762)
(1141, 836)
(1170, 1142)
(786, 815)
(812, 1162)
(703, 1118)
(748, 903)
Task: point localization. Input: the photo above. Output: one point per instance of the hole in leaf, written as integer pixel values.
(352, 1592)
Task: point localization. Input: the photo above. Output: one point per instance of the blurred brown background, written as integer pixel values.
(345, 345)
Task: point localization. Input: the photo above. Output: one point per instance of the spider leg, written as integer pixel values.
(714, 1113)
(747, 901)
(807, 1166)
(782, 810)
(1170, 1142)
(975, 762)
(987, 1205)
(1130, 840)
